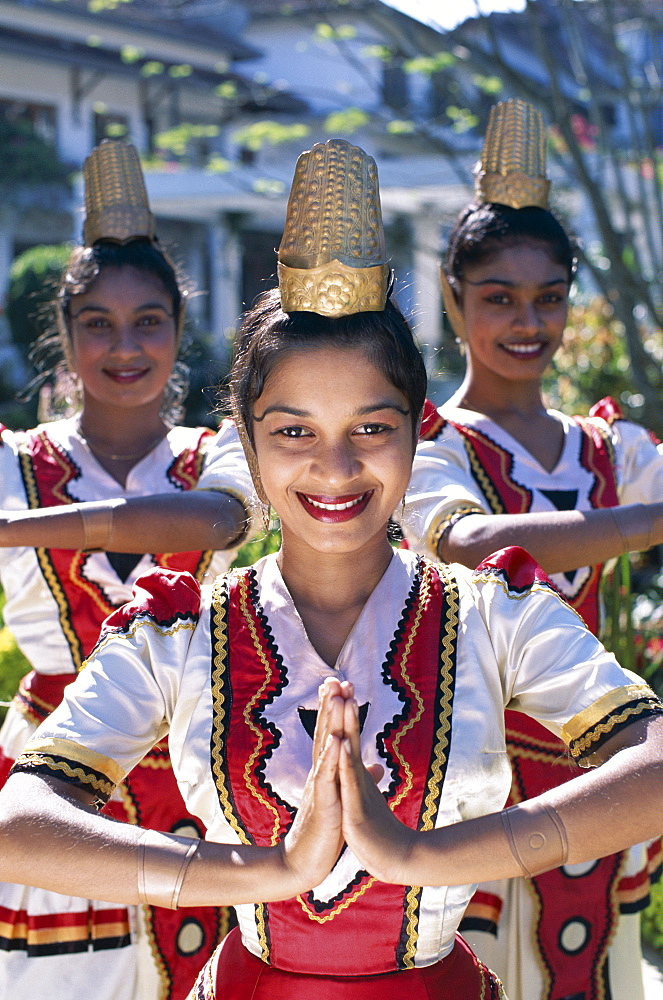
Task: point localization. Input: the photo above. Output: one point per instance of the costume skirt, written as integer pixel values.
(236, 974)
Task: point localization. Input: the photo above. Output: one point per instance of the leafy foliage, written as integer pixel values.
(25, 158)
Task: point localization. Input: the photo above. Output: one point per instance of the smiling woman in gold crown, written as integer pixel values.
(117, 475)
(495, 448)
(350, 879)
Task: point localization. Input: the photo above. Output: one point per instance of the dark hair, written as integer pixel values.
(267, 334)
(86, 264)
(483, 230)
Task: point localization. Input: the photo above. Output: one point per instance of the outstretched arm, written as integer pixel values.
(627, 789)
(181, 522)
(558, 540)
(50, 835)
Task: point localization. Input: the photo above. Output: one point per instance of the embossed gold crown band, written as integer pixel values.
(116, 204)
(512, 170)
(332, 257)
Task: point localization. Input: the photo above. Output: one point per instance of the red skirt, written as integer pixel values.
(235, 974)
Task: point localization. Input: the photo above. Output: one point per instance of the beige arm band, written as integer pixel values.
(634, 526)
(536, 836)
(97, 521)
(162, 865)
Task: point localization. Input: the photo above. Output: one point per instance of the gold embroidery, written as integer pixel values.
(441, 735)
(220, 667)
(421, 602)
(243, 592)
(104, 787)
(610, 702)
(452, 515)
(77, 753)
(484, 481)
(165, 981)
(129, 633)
(320, 919)
(580, 746)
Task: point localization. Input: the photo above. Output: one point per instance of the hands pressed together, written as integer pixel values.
(342, 803)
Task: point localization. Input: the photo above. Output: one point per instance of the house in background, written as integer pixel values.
(221, 98)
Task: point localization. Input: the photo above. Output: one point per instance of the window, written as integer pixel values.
(41, 118)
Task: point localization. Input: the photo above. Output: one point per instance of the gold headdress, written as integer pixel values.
(116, 205)
(332, 257)
(511, 171)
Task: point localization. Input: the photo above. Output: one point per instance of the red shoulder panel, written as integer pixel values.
(608, 408)
(431, 422)
(3, 427)
(518, 566)
(164, 594)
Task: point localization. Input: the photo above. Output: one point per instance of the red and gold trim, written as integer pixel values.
(64, 933)
(587, 730)
(47, 473)
(413, 744)
(72, 763)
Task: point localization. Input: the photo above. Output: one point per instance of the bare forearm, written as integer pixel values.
(186, 522)
(65, 846)
(559, 540)
(603, 811)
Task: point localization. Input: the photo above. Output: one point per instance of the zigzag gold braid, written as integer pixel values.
(219, 669)
(441, 744)
(220, 665)
(485, 484)
(105, 787)
(421, 601)
(578, 747)
(165, 981)
(49, 573)
(243, 592)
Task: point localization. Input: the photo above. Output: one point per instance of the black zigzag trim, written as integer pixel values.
(390, 681)
(645, 708)
(469, 447)
(321, 906)
(220, 610)
(269, 700)
(86, 778)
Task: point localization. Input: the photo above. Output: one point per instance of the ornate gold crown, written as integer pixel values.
(116, 205)
(512, 170)
(332, 256)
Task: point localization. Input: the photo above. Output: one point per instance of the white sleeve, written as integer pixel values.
(12, 490)
(122, 702)
(553, 668)
(225, 466)
(639, 463)
(441, 487)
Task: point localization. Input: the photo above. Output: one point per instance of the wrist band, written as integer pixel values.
(536, 836)
(634, 526)
(97, 526)
(162, 864)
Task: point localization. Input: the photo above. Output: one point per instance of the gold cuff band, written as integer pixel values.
(97, 526)
(162, 866)
(634, 526)
(536, 836)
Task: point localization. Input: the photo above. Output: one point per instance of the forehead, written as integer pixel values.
(521, 256)
(326, 373)
(123, 283)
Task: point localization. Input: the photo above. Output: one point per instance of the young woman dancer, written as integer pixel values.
(574, 492)
(328, 387)
(120, 306)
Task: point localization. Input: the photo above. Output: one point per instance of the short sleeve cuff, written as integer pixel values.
(450, 516)
(72, 763)
(585, 733)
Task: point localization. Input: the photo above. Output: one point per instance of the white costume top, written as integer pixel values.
(468, 463)
(39, 610)
(435, 656)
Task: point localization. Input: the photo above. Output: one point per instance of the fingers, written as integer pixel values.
(332, 696)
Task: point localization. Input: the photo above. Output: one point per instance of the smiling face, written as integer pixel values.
(123, 339)
(333, 439)
(514, 304)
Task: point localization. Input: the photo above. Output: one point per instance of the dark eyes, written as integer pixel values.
(365, 430)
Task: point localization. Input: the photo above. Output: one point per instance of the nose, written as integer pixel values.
(336, 465)
(527, 318)
(124, 341)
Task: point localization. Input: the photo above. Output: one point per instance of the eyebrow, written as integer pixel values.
(104, 309)
(513, 284)
(362, 412)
